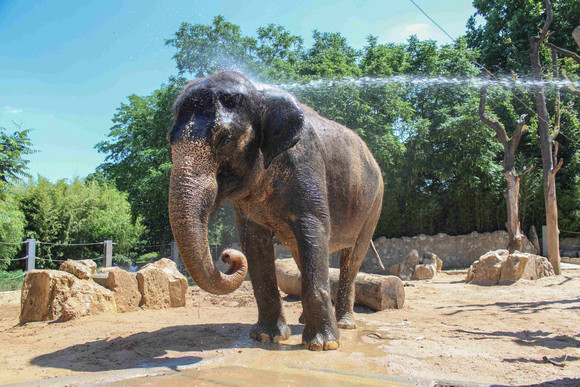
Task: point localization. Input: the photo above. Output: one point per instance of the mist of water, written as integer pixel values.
(365, 82)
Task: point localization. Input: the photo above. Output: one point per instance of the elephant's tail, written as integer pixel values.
(377, 255)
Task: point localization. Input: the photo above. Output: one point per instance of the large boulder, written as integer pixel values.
(82, 269)
(418, 267)
(53, 294)
(408, 267)
(501, 267)
(487, 269)
(86, 297)
(424, 271)
(124, 286)
(161, 285)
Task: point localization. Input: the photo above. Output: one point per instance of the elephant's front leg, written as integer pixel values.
(258, 247)
(320, 330)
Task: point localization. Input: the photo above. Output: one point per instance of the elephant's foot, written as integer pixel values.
(270, 331)
(346, 321)
(320, 339)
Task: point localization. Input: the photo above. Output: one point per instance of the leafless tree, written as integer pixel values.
(512, 192)
(550, 162)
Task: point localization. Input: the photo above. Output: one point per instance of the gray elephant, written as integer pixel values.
(289, 173)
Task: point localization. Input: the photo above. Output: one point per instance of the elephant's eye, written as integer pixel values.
(223, 140)
(229, 100)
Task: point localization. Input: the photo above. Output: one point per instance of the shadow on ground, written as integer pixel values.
(529, 338)
(518, 307)
(150, 349)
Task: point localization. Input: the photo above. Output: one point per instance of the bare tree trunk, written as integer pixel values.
(549, 158)
(512, 193)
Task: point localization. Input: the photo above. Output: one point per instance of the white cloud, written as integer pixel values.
(11, 110)
(422, 30)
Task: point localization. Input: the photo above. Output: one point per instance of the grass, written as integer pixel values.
(11, 280)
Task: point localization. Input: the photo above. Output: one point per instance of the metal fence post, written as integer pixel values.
(31, 254)
(545, 241)
(175, 257)
(108, 258)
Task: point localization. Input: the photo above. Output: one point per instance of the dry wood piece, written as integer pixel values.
(375, 291)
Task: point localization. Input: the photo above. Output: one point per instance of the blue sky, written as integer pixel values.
(65, 66)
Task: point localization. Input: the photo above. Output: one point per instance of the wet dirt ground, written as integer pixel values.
(447, 331)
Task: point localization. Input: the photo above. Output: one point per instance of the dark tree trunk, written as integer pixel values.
(512, 193)
(549, 157)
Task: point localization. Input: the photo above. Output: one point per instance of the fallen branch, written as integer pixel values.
(556, 363)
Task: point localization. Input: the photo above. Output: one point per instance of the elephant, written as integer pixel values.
(290, 174)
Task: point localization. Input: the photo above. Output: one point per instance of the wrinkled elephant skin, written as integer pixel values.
(289, 173)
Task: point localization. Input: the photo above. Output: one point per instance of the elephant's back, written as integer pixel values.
(353, 178)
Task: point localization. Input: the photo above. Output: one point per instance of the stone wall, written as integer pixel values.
(456, 252)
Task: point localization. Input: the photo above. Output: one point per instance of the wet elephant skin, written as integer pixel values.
(289, 173)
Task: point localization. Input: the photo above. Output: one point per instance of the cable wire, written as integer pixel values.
(477, 63)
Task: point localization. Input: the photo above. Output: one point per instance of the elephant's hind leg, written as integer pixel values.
(258, 247)
(351, 260)
(349, 266)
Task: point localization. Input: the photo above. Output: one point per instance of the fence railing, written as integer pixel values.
(107, 258)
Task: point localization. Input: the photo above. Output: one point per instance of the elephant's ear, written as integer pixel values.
(282, 123)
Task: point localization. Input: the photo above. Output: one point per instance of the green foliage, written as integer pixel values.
(76, 212)
(11, 230)
(139, 159)
(13, 148)
(503, 38)
(441, 165)
(502, 42)
(11, 280)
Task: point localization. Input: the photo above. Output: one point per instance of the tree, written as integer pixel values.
(503, 40)
(547, 141)
(13, 148)
(138, 157)
(11, 230)
(512, 177)
(503, 43)
(202, 49)
(76, 212)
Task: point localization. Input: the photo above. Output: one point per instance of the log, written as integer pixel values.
(377, 292)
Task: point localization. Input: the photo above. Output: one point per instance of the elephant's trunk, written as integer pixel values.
(192, 193)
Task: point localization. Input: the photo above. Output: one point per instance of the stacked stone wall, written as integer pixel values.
(456, 252)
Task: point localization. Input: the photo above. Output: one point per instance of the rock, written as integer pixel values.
(161, 285)
(408, 267)
(125, 288)
(83, 269)
(487, 269)
(87, 298)
(51, 294)
(395, 269)
(500, 267)
(533, 237)
(424, 271)
(432, 259)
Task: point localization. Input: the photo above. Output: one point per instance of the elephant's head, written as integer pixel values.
(225, 134)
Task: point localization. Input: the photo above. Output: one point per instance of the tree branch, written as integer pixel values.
(560, 163)
(544, 33)
(526, 170)
(521, 128)
(499, 129)
(563, 51)
(556, 95)
(570, 87)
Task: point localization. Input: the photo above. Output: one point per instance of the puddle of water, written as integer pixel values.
(250, 377)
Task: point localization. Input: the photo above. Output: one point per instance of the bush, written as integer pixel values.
(11, 230)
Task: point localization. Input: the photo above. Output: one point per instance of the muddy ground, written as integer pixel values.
(447, 331)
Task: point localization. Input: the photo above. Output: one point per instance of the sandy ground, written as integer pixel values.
(447, 331)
